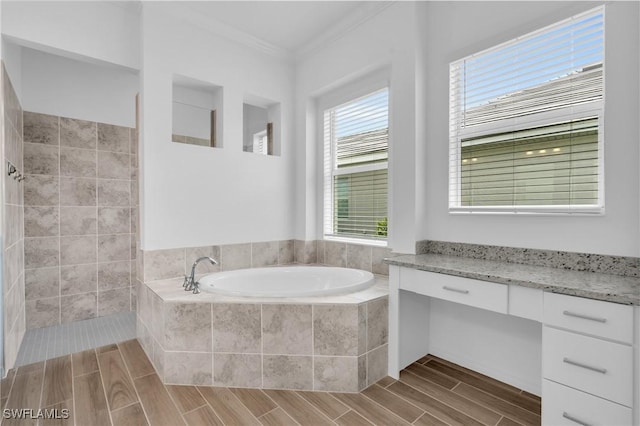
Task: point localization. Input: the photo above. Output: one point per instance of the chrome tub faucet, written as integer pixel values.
(190, 284)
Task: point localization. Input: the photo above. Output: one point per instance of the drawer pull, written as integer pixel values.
(587, 317)
(457, 290)
(573, 419)
(588, 367)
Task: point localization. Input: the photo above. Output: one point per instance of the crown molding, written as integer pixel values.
(214, 26)
(348, 23)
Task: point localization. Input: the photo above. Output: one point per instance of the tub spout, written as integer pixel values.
(190, 284)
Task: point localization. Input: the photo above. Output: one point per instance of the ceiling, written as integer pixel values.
(288, 25)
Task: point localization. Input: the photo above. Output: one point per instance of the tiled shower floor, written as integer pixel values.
(51, 342)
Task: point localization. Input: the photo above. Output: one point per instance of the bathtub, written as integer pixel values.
(289, 281)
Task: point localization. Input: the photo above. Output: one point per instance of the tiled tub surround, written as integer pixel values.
(79, 221)
(13, 235)
(581, 283)
(336, 343)
(174, 263)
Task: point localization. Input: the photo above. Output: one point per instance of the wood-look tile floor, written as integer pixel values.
(117, 385)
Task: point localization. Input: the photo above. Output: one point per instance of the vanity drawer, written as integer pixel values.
(562, 405)
(467, 291)
(603, 319)
(595, 366)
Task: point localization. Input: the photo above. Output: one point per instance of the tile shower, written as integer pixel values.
(80, 218)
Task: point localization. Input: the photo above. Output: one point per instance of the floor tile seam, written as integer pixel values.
(242, 403)
(461, 396)
(389, 410)
(354, 411)
(442, 402)
(207, 403)
(73, 393)
(501, 399)
(104, 390)
(295, 393)
(194, 409)
(326, 393)
(135, 388)
(173, 400)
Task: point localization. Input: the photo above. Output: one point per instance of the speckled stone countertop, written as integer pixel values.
(610, 288)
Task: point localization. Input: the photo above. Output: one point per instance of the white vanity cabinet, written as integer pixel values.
(590, 349)
(587, 362)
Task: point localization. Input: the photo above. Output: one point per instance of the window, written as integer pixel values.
(526, 122)
(356, 136)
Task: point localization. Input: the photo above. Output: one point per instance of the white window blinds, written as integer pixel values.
(356, 136)
(526, 122)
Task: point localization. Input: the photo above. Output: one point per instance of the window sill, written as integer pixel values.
(361, 241)
(531, 211)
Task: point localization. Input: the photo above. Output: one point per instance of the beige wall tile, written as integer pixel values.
(320, 247)
(41, 252)
(79, 307)
(113, 138)
(41, 283)
(78, 279)
(77, 250)
(77, 162)
(78, 220)
(378, 254)
(305, 251)
(41, 190)
(339, 330)
(377, 366)
(77, 133)
(41, 159)
(114, 220)
(77, 192)
(336, 374)
(204, 267)
(359, 257)
(114, 193)
(187, 327)
(13, 261)
(237, 328)
(287, 372)
(264, 254)
(114, 275)
(287, 329)
(39, 221)
(112, 248)
(188, 368)
(161, 264)
(237, 370)
(377, 322)
(114, 301)
(285, 254)
(335, 253)
(42, 312)
(113, 165)
(235, 256)
(40, 128)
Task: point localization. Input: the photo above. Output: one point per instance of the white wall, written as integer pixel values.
(101, 30)
(66, 87)
(194, 196)
(12, 57)
(451, 30)
(385, 41)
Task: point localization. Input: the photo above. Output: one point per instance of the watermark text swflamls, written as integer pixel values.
(40, 413)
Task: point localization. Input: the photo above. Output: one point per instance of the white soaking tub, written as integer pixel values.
(287, 281)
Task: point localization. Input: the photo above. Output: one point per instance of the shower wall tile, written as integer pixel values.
(114, 220)
(78, 221)
(113, 138)
(78, 279)
(41, 283)
(41, 190)
(77, 133)
(235, 256)
(43, 312)
(77, 250)
(77, 192)
(40, 128)
(264, 254)
(77, 162)
(78, 226)
(40, 221)
(114, 192)
(41, 159)
(112, 165)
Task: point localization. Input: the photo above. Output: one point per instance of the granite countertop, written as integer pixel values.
(610, 288)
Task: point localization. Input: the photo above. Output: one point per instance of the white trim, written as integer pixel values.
(354, 240)
(360, 169)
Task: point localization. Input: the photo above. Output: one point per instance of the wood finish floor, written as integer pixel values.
(117, 385)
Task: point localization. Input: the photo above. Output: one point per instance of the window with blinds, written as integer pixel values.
(356, 137)
(526, 122)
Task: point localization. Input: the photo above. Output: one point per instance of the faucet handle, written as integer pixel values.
(185, 283)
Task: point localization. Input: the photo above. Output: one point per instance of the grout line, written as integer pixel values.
(195, 409)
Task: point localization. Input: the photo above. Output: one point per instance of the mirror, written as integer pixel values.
(260, 119)
(196, 107)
